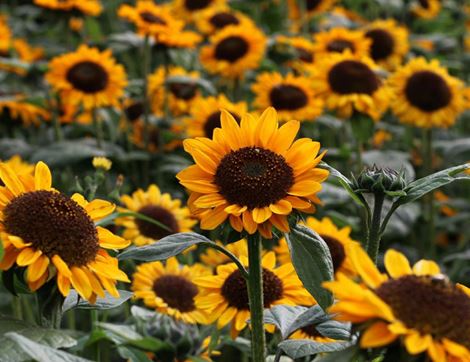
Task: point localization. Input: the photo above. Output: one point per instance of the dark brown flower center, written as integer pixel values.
(149, 17)
(185, 91)
(222, 19)
(288, 97)
(431, 305)
(235, 292)
(213, 122)
(382, 44)
(54, 224)
(428, 91)
(88, 77)
(304, 55)
(253, 177)
(351, 76)
(231, 49)
(313, 4)
(134, 111)
(176, 291)
(336, 250)
(160, 214)
(197, 4)
(311, 331)
(424, 3)
(340, 45)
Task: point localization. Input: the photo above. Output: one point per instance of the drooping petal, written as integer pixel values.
(377, 335)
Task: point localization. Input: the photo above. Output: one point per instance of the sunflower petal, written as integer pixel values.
(396, 264)
(11, 180)
(42, 177)
(377, 335)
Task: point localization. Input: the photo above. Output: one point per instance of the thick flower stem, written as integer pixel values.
(428, 245)
(374, 235)
(255, 293)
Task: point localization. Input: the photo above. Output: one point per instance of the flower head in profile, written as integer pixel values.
(254, 174)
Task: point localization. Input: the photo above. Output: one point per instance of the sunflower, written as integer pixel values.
(349, 83)
(416, 304)
(214, 258)
(292, 96)
(225, 296)
(88, 7)
(339, 40)
(234, 50)
(159, 207)
(5, 35)
(18, 110)
(425, 95)
(192, 9)
(24, 52)
(426, 9)
(181, 95)
(19, 166)
(170, 289)
(88, 77)
(205, 115)
(303, 49)
(337, 240)
(214, 19)
(313, 7)
(252, 173)
(51, 234)
(389, 43)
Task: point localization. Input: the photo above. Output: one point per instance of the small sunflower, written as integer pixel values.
(214, 19)
(53, 235)
(205, 115)
(349, 83)
(425, 95)
(157, 206)
(426, 9)
(291, 96)
(88, 7)
(214, 258)
(88, 77)
(253, 173)
(340, 40)
(389, 43)
(233, 51)
(303, 48)
(313, 7)
(190, 10)
(417, 304)
(18, 110)
(225, 296)
(170, 289)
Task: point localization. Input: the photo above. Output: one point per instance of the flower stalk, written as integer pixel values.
(428, 200)
(374, 232)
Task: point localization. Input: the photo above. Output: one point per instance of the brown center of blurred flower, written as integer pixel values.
(339, 46)
(336, 250)
(213, 122)
(88, 77)
(304, 55)
(311, 331)
(134, 111)
(196, 4)
(253, 177)
(231, 49)
(424, 3)
(176, 291)
(54, 224)
(427, 91)
(288, 97)
(431, 305)
(235, 292)
(351, 76)
(222, 19)
(185, 91)
(312, 4)
(149, 17)
(160, 214)
(382, 44)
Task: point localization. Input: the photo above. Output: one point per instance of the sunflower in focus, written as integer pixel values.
(53, 235)
(18, 110)
(425, 95)
(349, 83)
(303, 50)
(340, 40)
(214, 19)
(417, 305)
(291, 96)
(156, 206)
(190, 10)
(214, 258)
(426, 9)
(170, 289)
(87, 77)
(233, 51)
(253, 174)
(313, 7)
(389, 43)
(205, 115)
(88, 7)
(225, 296)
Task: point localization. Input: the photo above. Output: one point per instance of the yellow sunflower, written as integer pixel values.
(19, 110)
(88, 77)
(253, 173)
(417, 304)
(170, 289)
(337, 240)
(5, 35)
(225, 296)
(88, 7)
(21, 50)
(233, 51)
(389, 43)
(205, 115)
(191, 9)
(340, 40)
(214, 258)
(425, 95)
(426, 9)
(303, 48)
(291, 96)
(349, 83)
(313, 7)
(181, 96)
(53, 235)
(214, 19)
(18, 166)
(310, 333)
(157, 206)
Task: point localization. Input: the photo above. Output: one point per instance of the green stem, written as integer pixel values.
(373, 239)
(145, 98)
(16, 306)
(98, 128)
(255, 294)
(232, 257)
(429, 245)
(94, 327)
(56, 120)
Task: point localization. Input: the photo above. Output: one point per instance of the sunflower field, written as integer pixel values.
(235, 180)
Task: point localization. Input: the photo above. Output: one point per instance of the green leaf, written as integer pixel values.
(335, 330)
(73, 301)
(148, 344)
(299, 348)
(133, 354)
(346, 355)
(312, 261)
(165, 248)
(120, 333)
(283, 316)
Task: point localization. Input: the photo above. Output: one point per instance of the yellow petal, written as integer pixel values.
(261, 214)
(226, 317)
(377, 335)
(426, 267)
(282, 207)
(38, 268)
(365, 267)
(416, 343)
(28, 256)
(396, 264)
(11, 181)
(109, 240)
(81, 283)
(63, 283)
(98, 209)
(42, 177)
(213, 218)
(61, 266)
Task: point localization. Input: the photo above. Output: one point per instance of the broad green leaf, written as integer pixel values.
(283, 316)
(123, 333)
(312, 316)
(133, 354)
(312, 261)
(73, 301)
(335, 330)
(299, 348)
(347, 355)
